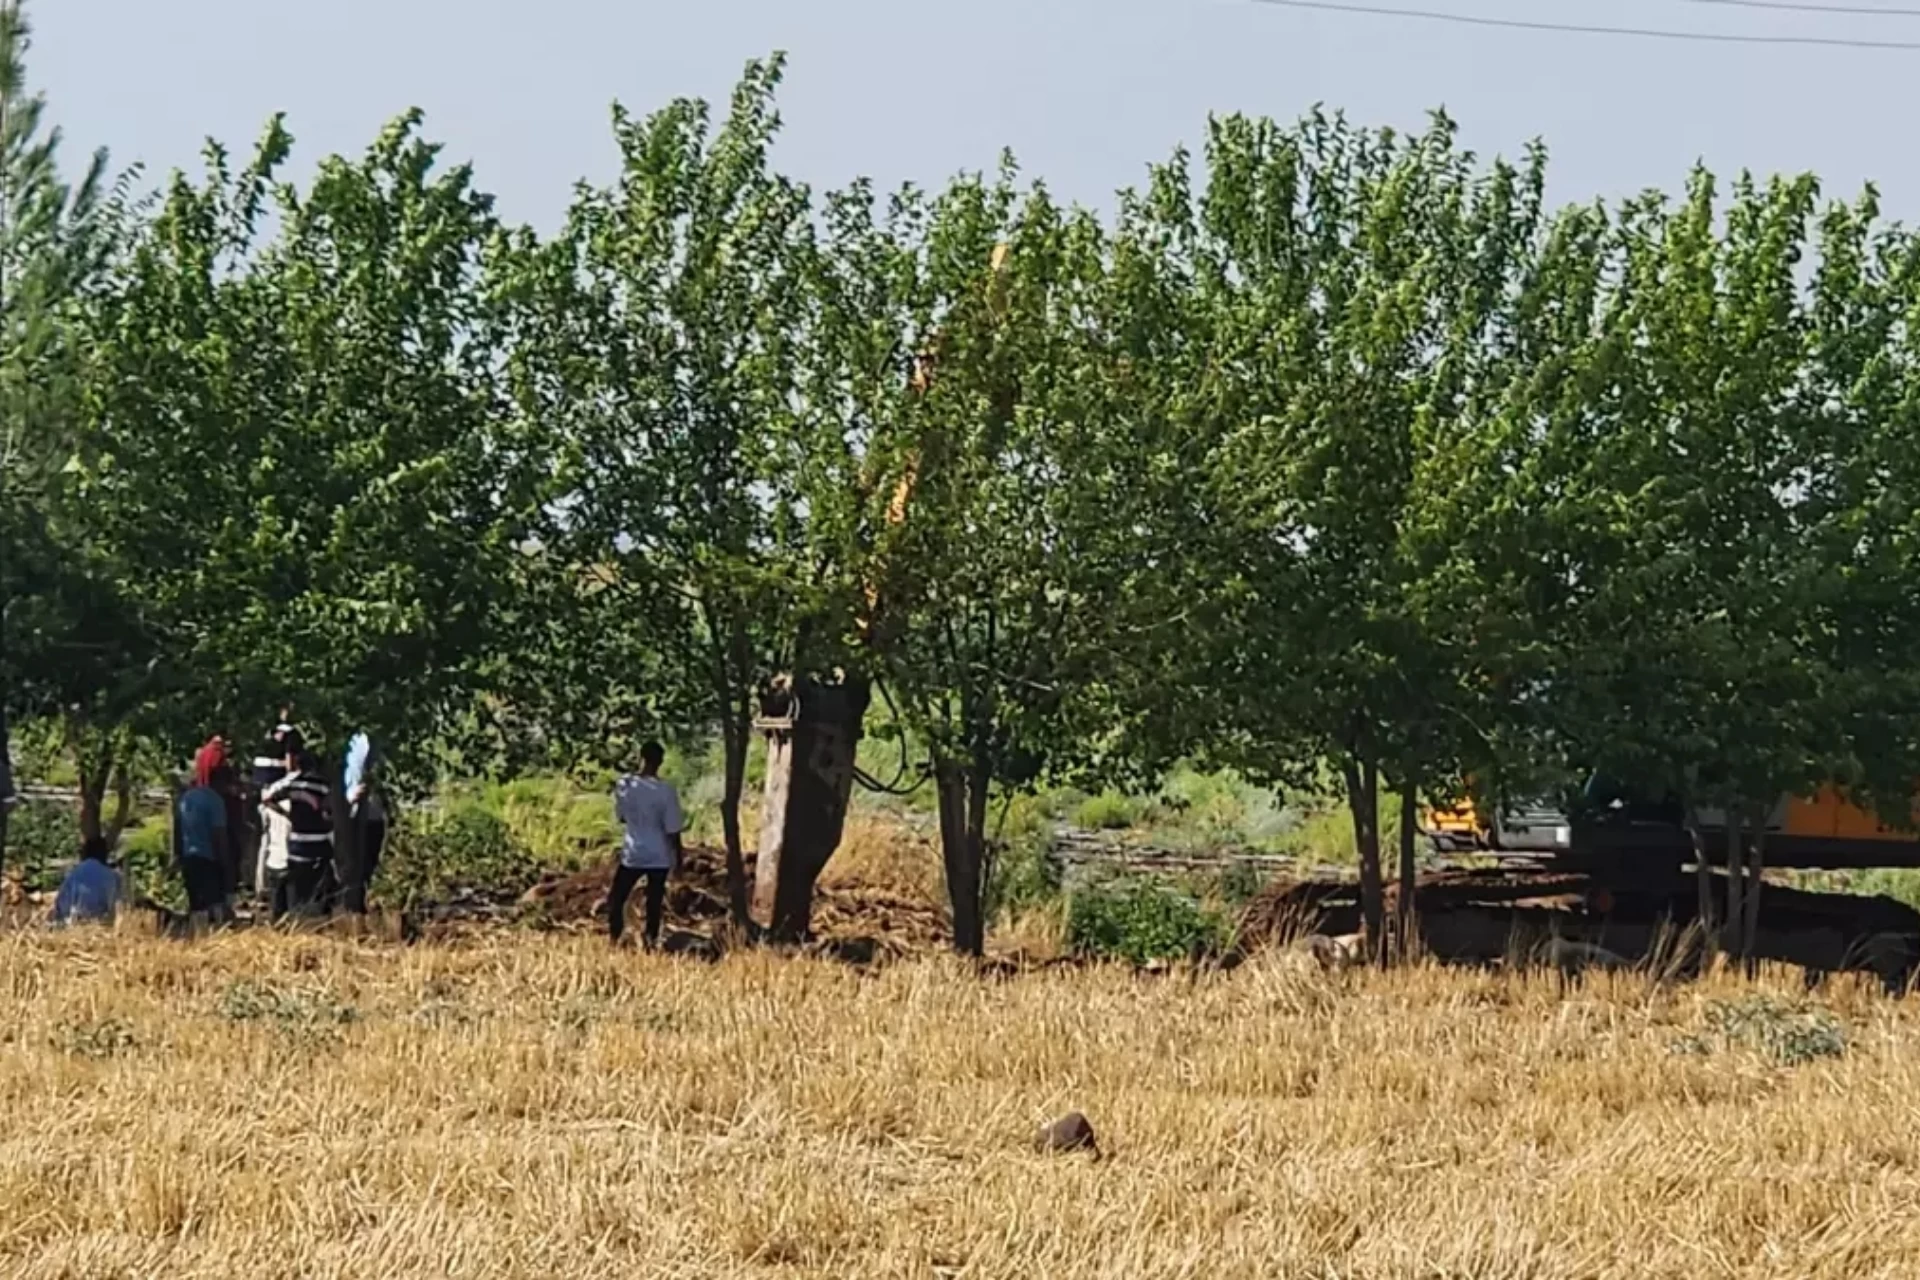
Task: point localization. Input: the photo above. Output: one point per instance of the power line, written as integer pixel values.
(1567, 28)
(1799, 6)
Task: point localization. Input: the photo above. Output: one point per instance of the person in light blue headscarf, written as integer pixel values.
(365, 807)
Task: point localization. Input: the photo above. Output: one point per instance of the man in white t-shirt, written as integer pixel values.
(648, 808)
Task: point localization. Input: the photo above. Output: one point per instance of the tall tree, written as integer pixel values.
(997, 490)
(1362, 284)
(664, 360)
(56, 237)
(296, 455)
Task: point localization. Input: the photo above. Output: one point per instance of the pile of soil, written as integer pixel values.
(859, 916)
(1289, 909)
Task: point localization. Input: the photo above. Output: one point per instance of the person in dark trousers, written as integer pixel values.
(200, 821)
(648, 809)
(366, 811)
(303, 796)
(267, 868)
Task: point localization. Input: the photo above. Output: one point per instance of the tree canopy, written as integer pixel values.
(1341, 454)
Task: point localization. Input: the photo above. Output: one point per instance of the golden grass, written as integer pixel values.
(262, 1105)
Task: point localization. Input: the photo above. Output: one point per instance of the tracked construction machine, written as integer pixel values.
(1630, 878)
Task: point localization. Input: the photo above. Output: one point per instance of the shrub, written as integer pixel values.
(466, 845)
(1025, 873)
(1108, 811)
(146, 866)
(1140, 920)
(40, 836)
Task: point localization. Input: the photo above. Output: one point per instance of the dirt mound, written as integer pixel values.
(1289, 909)
(875, 919)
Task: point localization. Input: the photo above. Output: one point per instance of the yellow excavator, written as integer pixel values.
(1823, 831)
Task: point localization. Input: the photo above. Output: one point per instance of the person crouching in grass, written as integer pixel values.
(91, 891)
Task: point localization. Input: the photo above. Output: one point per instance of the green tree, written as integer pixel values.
(297, 458)
(1691, 659)
(63, 638)
(997, 489)
(1362, 288)
(661, 352)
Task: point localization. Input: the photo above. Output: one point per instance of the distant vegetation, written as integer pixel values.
(1334, 461)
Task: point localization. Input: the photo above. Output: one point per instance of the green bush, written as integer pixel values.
(1108, 811)
(146, 865)
(40, 836)
(465, 845)
(1024, 875)
(1140, 920)
(557, 824)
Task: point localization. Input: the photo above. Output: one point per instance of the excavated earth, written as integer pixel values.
(845, 917)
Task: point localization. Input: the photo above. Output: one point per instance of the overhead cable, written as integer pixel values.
(1570, 28)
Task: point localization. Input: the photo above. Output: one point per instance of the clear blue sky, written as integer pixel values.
(1085, 91)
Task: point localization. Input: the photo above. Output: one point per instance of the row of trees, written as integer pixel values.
(1349, 451)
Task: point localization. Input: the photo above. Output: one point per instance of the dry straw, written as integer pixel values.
(536, 1106)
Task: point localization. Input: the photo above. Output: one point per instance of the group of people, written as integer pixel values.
(269, 834)
(289, 841)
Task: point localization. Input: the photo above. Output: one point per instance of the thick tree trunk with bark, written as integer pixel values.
(811, 745)
(1363, 799)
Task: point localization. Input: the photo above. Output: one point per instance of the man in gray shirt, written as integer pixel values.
(648, 810)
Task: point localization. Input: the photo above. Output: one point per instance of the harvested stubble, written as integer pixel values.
(540, 1106)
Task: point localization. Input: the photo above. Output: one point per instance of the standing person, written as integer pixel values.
(366, 807)
(648, 807)
(212, 766)
(270, 768)
(303, 797)
(200, 819)
(91, 889)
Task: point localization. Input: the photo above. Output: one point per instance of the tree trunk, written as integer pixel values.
(809, 782)
(733, 733)
(1408, 924)
(93, 789)
(1750, 934)
(122, 804)
(1735, 942)
(962, 855)
(1363, 798)
(1703, 880)
(6, 786)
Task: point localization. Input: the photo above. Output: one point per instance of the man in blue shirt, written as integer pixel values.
(201, 824)
(91, 890)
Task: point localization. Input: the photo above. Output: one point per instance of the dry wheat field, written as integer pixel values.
(528, 1105)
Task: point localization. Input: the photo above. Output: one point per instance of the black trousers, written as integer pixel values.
(624, 878)
(206, 881)
(373, 840)
(300, 887)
